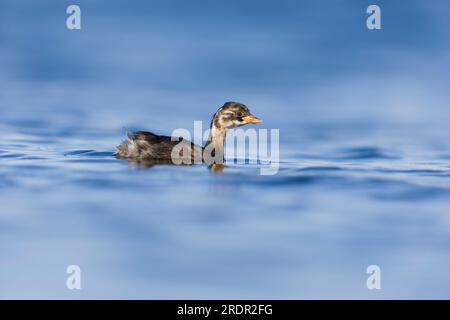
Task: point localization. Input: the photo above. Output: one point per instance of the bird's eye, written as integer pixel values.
(240, 114)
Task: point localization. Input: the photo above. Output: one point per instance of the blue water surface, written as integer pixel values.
(364, 172)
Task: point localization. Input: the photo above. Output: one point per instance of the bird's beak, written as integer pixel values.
(251, 119)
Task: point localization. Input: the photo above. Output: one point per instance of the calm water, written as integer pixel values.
(364, 173)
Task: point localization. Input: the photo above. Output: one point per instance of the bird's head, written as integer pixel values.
(232, 115)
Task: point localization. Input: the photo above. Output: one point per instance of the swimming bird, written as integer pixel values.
(147, 147)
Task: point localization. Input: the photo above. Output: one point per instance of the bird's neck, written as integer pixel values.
(214, 148)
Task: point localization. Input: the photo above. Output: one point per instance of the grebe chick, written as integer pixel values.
(144, 146)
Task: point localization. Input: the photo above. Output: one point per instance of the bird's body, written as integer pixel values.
(144, 146)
